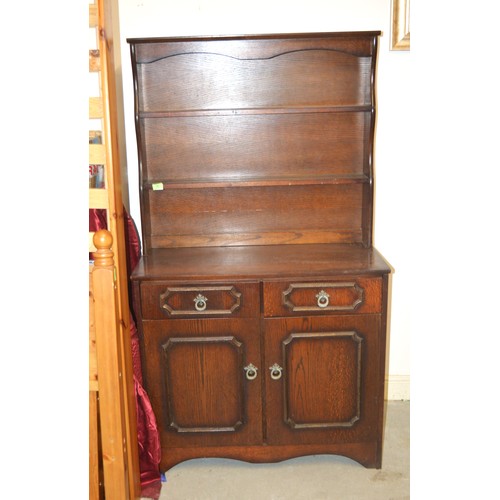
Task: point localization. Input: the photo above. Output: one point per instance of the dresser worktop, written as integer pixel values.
(251, 262)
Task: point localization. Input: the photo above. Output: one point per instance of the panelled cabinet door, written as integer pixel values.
(204, 381)
(322, 379)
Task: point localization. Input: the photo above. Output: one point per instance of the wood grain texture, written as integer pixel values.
(366, 453)
(316, 400)
(242, 147)
(97, 154)
(331, 362)
(255, 175)
(218, 81)
(270, 262)
(93, 16)
(95, 462)
(221, 298)
(259, 213)
(255, 112)
(194, 371)
(208, 373)
(112, 402)
(267, 46)
(103, 19)
(94, 61)
(298, 237)
(98, 198)
(93, 380)
(361, 295)
(95, 107)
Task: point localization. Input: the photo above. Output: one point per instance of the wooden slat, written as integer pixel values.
(97, 154)
(93, 20)
(98, 198)
(94, 61)
(95, 107)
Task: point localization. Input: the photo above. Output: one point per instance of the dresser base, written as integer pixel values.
(368, 454)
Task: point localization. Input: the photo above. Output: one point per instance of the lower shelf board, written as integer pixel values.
(368, 454)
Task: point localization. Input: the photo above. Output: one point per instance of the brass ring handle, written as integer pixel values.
(250, 371)
(200, 302)
(323, 299)
(276, 371)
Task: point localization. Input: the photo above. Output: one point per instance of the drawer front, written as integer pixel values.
(161, 300)
(345, 296)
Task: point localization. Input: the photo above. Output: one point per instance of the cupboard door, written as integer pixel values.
(202, 386)
(322, 380)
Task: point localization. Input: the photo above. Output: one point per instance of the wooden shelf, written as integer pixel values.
(255, 111)
(162, 184)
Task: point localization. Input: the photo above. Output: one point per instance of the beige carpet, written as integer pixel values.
(319, 477)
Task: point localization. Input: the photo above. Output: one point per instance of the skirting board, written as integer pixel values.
(398, 388)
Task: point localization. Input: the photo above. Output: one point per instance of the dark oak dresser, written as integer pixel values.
(261, 302)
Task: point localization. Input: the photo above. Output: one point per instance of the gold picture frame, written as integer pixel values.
(400, 36)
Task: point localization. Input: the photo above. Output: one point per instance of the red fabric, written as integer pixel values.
(133, 244)
(136, 351)
(149, 445)
(97, 219)
(147, 430)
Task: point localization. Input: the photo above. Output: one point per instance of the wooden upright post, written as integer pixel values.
(112, 403)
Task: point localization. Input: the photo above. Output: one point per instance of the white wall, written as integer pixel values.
(148, 18)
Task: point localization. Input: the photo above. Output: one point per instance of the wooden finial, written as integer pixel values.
(103, 240)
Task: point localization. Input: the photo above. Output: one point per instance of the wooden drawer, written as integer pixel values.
(162, 300)
(345, 296)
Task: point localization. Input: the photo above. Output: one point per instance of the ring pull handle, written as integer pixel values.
(276, 371)
(200, 302)
(323, 299)
(250, 371)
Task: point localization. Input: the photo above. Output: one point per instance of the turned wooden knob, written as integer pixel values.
(103, 240)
